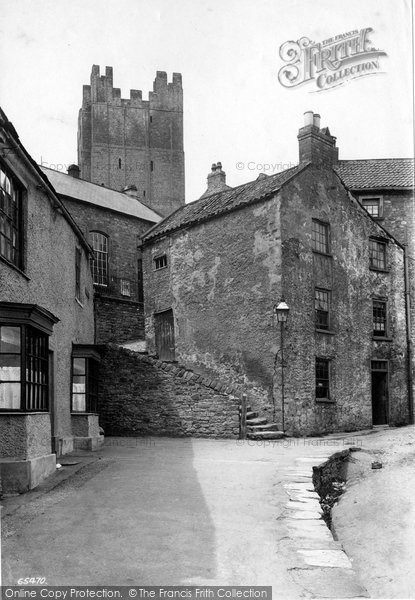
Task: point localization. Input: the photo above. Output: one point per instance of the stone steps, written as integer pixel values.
(258, 428)
(256, 421)
(265, 435)
(266, 427)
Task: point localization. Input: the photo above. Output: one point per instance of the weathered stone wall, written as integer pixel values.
(118, 321)
(222, 279)
(224, 276)
(48, 279)
(350, 347)
(117, 318)
(143, 396)
(134, 141)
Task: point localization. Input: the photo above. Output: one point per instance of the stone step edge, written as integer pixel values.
(180, 371)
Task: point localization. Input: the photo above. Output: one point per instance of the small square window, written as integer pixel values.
(321, 241)
(322, 378)
(160, 262)
(377, 254)
(379, 318)
(373, 205)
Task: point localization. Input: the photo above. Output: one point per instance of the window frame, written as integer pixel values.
(384, 319)
(364, 198)
(163, 259)
(327, 364)
(16, 223)
(374, 254)
(103, 278)
(90, 355)
(125, 287)
(327, 328)
(316, 243)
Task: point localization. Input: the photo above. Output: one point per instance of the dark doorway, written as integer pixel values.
(164, 325)
(379, 392)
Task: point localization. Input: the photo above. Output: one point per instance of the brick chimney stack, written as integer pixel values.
(315, 144)
(216, 180)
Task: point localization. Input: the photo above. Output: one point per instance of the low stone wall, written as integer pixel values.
(140, 395)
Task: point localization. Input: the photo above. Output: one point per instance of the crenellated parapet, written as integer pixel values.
(165, 94)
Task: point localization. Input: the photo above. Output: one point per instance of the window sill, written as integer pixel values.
(21, 413)
(326, 331)
(380, 338)
(161, 268)
(379, 270)
(12, 266)
(84, 414)
(325, 400)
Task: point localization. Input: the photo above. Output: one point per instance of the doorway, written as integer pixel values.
(380, 392)
(164, 330)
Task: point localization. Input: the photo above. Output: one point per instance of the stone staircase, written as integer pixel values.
(258, 428)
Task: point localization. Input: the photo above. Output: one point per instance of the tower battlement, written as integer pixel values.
(132, 141)
(165, 94)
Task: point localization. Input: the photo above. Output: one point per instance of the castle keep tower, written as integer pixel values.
(123, 143)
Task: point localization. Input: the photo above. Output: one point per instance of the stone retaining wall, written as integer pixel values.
(140, 395)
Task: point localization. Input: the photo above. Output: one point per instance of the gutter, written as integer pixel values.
(408, 337)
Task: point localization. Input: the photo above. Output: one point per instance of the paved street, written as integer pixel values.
(165, 511)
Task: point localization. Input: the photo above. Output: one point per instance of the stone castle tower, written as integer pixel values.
(134, 142)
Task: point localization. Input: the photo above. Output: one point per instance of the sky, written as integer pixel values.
(236, 110)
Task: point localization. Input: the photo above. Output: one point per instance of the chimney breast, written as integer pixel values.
(74, 171)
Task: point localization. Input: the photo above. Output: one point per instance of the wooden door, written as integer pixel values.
(379, 398)
(164, 325)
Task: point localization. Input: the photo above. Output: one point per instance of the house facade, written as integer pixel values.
(47, 354)
(113, 223)
(216, 269)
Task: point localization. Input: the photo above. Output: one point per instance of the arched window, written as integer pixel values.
(99, 264)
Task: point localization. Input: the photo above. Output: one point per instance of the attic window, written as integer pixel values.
(373, 205)
(160, 262)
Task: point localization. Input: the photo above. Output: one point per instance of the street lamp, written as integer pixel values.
(281, 312)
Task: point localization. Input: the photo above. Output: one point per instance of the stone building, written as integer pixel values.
(124, 142)
(217, 267)
(113, 223)
(47, 356)
(385, 188)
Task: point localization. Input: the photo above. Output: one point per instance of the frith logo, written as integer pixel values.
(330, 63)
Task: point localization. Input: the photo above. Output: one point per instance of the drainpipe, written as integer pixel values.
(408, 335)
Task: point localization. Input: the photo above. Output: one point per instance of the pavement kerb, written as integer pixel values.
(10, 504)
(320, 564)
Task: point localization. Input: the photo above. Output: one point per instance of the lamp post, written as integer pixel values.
(281, 312)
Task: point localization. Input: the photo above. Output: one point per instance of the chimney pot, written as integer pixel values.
(219, 166)
(308, 118)
(316, 121)
(213, 167)
(74, 171)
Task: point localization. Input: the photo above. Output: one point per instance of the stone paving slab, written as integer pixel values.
(329, 583)
(325, 558)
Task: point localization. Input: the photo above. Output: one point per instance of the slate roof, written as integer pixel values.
(223, 202)
(65, 185)
(377, 173)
